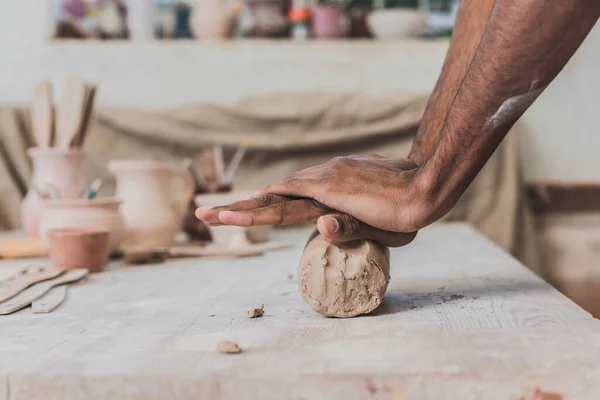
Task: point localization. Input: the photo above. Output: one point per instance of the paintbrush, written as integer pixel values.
(219, 164)
(236, 160)
(93, 190)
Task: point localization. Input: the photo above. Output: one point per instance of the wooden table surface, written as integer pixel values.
(461, 320)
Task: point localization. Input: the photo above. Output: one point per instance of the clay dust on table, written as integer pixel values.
(538, 394)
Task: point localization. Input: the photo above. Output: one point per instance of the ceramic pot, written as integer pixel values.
(212, 19)
(58, 169)
(79, 248)
(395, 23)
(100, 213)
(152, 215)
(327, 21)
(232, 236)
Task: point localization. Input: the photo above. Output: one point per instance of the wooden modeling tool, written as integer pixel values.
(24, 281)
(90, 98)
(42, 115)
(33, 293)
(71, 113)
(50, 301)
(236, 160)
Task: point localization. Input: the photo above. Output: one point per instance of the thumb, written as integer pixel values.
(344, 228)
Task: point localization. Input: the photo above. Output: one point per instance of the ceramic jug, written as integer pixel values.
(54, 170)
(212, 19)
(152, 216)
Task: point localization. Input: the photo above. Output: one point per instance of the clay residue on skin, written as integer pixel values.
(257, 312)
(515, 105)
(229, 347)
(343, 279)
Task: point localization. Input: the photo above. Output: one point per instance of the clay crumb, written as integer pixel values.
(456, 296)
(538, 394)
(290, 276)
(229, 347)
(413, 307)
(212, 315)
(257, 312)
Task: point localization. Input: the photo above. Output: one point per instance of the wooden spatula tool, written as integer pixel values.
(24, 281)
(71, 113)
(42, 115)
(33, 293)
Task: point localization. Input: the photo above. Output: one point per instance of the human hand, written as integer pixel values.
(349, 197)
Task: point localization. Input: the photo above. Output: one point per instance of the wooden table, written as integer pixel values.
(461, 320)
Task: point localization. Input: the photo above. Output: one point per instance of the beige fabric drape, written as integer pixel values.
(287, 132)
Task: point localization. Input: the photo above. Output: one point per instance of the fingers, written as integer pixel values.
(281, 213)
(344, 228)
(210, 216)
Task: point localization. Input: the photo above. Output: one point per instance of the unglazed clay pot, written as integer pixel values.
(79, 248)
(152, 215)
(100, 213)
(53, 168)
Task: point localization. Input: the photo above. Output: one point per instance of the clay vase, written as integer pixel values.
(100, 213)
(212, 19)
(53, 168)
(79, 248)
(152, 217)
(327, 21)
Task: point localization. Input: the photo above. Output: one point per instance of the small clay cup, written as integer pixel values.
(72, 248)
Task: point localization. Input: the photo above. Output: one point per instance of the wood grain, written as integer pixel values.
(461, 320)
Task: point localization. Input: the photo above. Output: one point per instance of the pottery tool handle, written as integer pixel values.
(50, 301)
(23, 282)
(42, 114)
(189, 190)
(219, 163)
(28, 296)
(88, 110)
(71, 112)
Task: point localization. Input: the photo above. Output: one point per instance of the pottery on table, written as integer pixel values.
(212, 19)
(152, 215)
(99, 213)
(328, 21)
(396, 23)
(79, 248)
(54, 169)
(233, 236)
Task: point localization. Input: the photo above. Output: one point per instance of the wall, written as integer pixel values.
(559, 145)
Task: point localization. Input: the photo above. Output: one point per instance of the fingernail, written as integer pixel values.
(332, 225)
(256, 193)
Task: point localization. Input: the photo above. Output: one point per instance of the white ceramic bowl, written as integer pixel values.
(232, 236)
(395, 23)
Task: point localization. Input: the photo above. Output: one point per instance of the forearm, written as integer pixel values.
(471, 20)
(524, 47)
